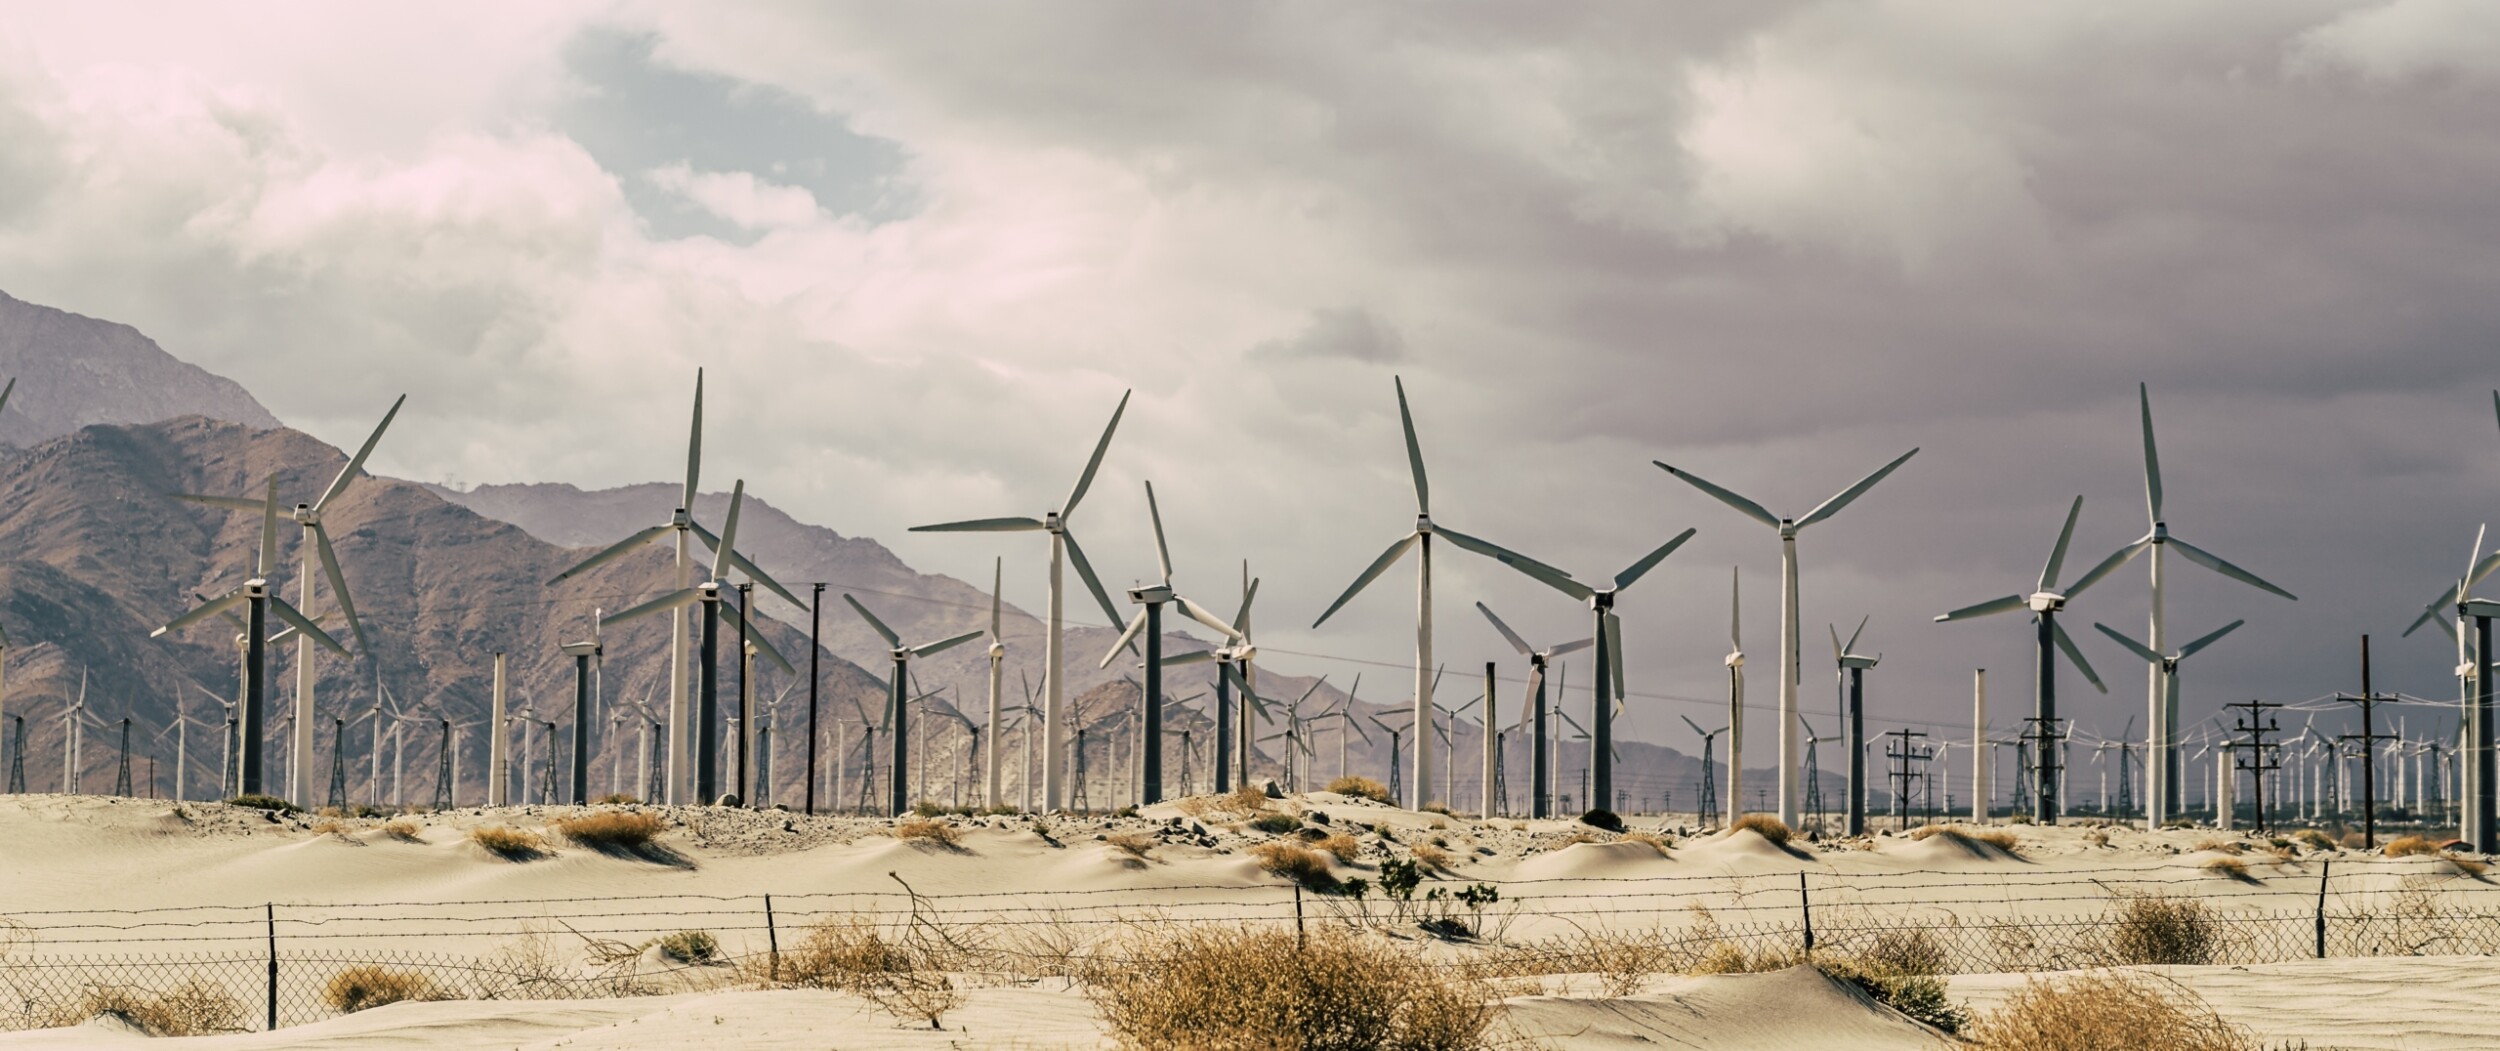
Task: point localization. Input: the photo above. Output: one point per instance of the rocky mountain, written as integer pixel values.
(73, 371)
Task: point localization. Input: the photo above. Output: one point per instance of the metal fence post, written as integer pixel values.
(269, 913)
(1300, 940)
(772, 938)
(2323, 864)
(1805, 908)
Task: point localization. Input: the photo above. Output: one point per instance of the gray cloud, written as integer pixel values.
(1350, 333)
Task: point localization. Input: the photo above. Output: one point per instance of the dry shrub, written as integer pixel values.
(689, 947)
(1432, 857)
(1726, 957)
(340, 829)
(927, 830)
(2150, 928)
(1133, 844)
(1342, 846)
(403, 830)
(2352, 841)
(1248, 799)
(508, 843)
(1655, 841)
(2108, 1011)
(1578, 837)
(2228, 868)
(193, 1008)
(366, 985)
(611, 831)
(2466, 865)
(617, 799)
(2098, 837)
(903, 970)
(1259, 988)
(2219, 845)
(2409, 846)
(1767, 826)
(1275, 824)
(1361, 788)
(1967, 835)
(2314, 839)
(1899, 971)
(1295, 862)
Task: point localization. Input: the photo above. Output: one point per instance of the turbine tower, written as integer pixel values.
(2162, 768)
(1736, 694)
(1063, 549)
(259, 603)
(316, 546)
(1421, 537)
(1853, 666)
(682, 759)
(2044, 604)
(1789, 661)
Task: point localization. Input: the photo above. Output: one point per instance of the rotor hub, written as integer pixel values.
(2161, 532)
(1788, 529)
(305, 515)
(1054, 524)
(2046, 601)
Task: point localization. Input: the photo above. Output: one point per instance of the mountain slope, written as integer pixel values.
(74, 370)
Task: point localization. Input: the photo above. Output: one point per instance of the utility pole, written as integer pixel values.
(2369, 738)
(2260, 760)
(1905, 749)
(815, 653)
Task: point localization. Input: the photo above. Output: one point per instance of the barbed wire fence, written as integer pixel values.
(235, 968)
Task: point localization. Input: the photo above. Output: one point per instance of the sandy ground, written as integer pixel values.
(356, 886)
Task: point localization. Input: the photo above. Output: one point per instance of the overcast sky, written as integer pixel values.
(923, 248)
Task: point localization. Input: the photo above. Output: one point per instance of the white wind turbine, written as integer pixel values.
(1789, 631)
(684, 765)
(1736, 690)
(1421, 538)
(898, 699)
(316, 547)
(1540, 772)
(1149, 620)
(2167, 667)
(2161, 795)
(1063, 548)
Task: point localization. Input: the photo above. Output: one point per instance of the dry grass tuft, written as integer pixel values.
(2314, 839)
(1656, 842)
(689, 947)
(366, 985)
(1342, 846)
(1765, 825)
(1899, 970)
(612, 831)
(903, 972)
(1967, 835)
(1248, 799)
(193, 1008)
(1432, 857)
(2108, 1011)
(2155, 929)
(2228, 868)
(508, 843)
(2466, 865)
(402, 830)
(928, 830)
(1295, 862)
(331, 827)
(1133, 844)
(1258, 988)
(2220, 845)
(2409, 846)
(1360, 787)
(1275, 824)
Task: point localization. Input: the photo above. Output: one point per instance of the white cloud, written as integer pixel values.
(740, 197)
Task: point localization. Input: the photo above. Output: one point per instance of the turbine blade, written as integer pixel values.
(231, 503)
(1414, 451)
(1136, 624)
(1241, 617)
(1552, 577)
(984, 525)
(1085, 572)
(1163, 551)
(338, 584)
(892, 640)
(942, 645)
(2107, 566)
(1086, 480)
(765, 647)
(268, 530)
(1751, 509)
(6, 391)
(612, 553)
(1735, 610)
(1191, 657)
(1835, 634)
(2134, 647)
(728, 542)
(1508, 635)
(2057, 555)
(1641, 568)
(1370, 573)
(1983, 609)
(288, 614)
(356, 463)
(2190, 649)
(2209, 560)
(2152, 459)
(1614, 649)
(743, 564)
(1853, 636)
(1202, 615)
(669, 601)
(1844, 497)
(998, 580)
(694, 445)
(211, 608)
(1571, 647)
(2075, 654)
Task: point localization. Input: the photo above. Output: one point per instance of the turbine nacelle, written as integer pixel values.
(1154, 594)
(1053, 523)
(2046, 601)
(306, 515)
(2160, 533)
(680, 518)
(1788, 529)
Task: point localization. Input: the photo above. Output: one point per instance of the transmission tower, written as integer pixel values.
(338, 762)
(1814, 785)
(17, 755)
(2022, 766)
(1905, 751)
(2261, 759)
(1501, 783)
(1076, 796)
(442, 771)
(121, 777)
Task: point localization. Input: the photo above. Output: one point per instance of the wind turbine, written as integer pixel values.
(1853, 666)
(1790, 662)
(316, 547)
(1540, 775)
(1149, 619)
(1814, 787)
(1348, 725)
(1421, 538)
(2163, 765)
(685, 768)
(705, 753)
(2167, 667)
(1707, 808)
(259, 603)
(1735, 661)
(1233, 726)
(897, 689)
(2044, 604)
(1063, 548)
(1608, 631)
